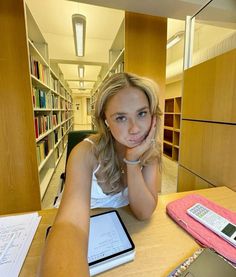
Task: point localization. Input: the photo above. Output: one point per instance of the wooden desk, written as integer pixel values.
(161, 245)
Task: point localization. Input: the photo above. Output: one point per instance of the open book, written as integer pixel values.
(110, 244)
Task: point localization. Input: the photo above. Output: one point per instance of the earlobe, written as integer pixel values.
(106, 123)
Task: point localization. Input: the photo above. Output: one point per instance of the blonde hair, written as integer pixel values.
(109, 173)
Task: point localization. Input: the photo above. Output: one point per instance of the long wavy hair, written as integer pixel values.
(109, 173)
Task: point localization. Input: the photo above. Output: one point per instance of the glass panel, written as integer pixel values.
(214, 30)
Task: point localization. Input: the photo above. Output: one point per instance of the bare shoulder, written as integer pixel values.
(84, 152)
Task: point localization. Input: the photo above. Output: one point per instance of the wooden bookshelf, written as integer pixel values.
(19, 186)
(52, 105)
(171, 136)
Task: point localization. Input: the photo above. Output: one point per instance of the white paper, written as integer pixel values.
(107, 238)
(16, 235)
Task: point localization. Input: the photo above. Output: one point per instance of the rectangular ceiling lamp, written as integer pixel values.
(81, 71)
(79, 28)
(174, 39)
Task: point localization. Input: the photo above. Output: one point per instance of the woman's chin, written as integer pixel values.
(133, 144)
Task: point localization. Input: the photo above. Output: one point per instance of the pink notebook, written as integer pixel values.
(177, 210)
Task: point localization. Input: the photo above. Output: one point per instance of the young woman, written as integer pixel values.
(120, 165)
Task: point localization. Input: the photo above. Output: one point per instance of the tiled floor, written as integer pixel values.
(169, 180)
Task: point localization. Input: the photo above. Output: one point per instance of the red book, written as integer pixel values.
(36, 127)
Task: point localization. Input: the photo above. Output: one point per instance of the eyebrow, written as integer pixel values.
(122, 113)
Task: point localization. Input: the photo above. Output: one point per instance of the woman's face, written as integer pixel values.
(128, 116)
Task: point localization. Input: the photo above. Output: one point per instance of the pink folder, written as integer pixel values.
(177, 210)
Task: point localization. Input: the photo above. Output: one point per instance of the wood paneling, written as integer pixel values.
(189, 181)
(145, 46)
(209, 150)
(210, 89)
(145, 50)
(19, 185)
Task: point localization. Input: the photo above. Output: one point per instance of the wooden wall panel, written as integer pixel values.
(210, 90)
(189, 181)
(145, 50)
(145, 46)
(209, 150)
(19, 185)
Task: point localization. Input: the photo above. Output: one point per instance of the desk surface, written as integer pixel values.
(161, 245)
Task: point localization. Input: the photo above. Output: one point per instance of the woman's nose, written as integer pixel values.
(133, 127)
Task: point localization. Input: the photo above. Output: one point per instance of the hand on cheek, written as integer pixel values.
(136, 152)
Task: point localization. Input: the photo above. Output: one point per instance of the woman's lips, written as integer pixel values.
(136, 140)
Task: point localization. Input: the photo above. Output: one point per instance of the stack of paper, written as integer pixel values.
(16, 235)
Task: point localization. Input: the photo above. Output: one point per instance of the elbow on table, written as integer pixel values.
(144, 214)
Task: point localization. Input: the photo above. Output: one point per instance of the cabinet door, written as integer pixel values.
(210, 90)
(209, 150)
(189, 181)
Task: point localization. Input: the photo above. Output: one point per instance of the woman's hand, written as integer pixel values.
(133, 154)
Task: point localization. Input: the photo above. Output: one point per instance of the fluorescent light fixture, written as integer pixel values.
(81, 71)
(79, 29)
(174, 39)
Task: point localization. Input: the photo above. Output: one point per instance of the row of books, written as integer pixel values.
(43, 148)
(42, 124)
(62, 91)
(57, 135)
(41, 99)
(55, 119)
(65, 116)
(68, 105)
(67, 124)
(46, 100)
(38, 70)
(54, 84)
(55, 102)
(63, 104)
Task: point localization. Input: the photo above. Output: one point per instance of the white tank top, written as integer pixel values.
(101, 200)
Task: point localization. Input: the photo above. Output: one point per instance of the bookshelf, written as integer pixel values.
(172, 117)
(52, 105)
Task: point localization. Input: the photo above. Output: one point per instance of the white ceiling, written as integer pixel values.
(102, 24)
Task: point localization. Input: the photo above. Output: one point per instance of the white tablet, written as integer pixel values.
(109, 242)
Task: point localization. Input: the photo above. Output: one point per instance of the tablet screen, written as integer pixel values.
(108, 237)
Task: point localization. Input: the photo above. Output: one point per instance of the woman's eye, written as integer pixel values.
(142, 114)
(120, 118)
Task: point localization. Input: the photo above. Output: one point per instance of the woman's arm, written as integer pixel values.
(65, 251)
(143, 184)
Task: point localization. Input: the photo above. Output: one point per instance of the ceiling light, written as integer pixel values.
(81, 71)
(174, 39)
(81, 84)
(79, 28)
